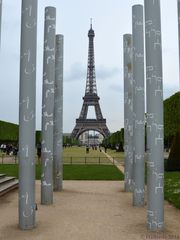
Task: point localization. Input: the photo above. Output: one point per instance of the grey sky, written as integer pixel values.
(111, 19)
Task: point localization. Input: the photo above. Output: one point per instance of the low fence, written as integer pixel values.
(7, 159)
(86, 160)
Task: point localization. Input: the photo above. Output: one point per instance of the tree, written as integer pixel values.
(171, 118)
(173, 163)
(115, 140)
(38, 137)
(172, 130)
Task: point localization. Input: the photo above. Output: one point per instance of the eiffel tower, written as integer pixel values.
(90, 99)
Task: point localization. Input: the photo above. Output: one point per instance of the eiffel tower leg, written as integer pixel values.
(98, 111)
(84, 111)
(128, 112)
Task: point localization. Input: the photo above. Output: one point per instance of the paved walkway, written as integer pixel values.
(119, 165)
(86, 210)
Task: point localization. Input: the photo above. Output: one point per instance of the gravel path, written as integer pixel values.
(86, 210)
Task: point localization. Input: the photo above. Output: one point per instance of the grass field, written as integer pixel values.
(81, 152)
(172, 188)
(92, 172)
(74, 172)
(78, 155)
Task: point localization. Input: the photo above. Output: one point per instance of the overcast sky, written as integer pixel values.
(111, 19)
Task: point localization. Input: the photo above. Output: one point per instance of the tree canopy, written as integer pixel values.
(115, 140)
(172, 115)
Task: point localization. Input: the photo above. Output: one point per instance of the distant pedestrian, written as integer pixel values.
(87, 149)
(105, 149)
(15, 151)
(39, 151)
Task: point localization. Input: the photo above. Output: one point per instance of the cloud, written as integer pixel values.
(76, 72)
(103, 72)
(116, 88)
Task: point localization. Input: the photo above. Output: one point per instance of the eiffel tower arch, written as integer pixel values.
(91, 98)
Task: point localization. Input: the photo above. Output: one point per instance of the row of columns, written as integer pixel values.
(134, 114)
(51, 156)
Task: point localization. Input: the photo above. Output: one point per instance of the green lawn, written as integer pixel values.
(9, 169)
(74, 172)
(81, 152)
(92, 172)
(78, 155)
(172, 188)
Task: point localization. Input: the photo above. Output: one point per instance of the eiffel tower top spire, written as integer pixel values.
(91, 75)
(91, 22)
